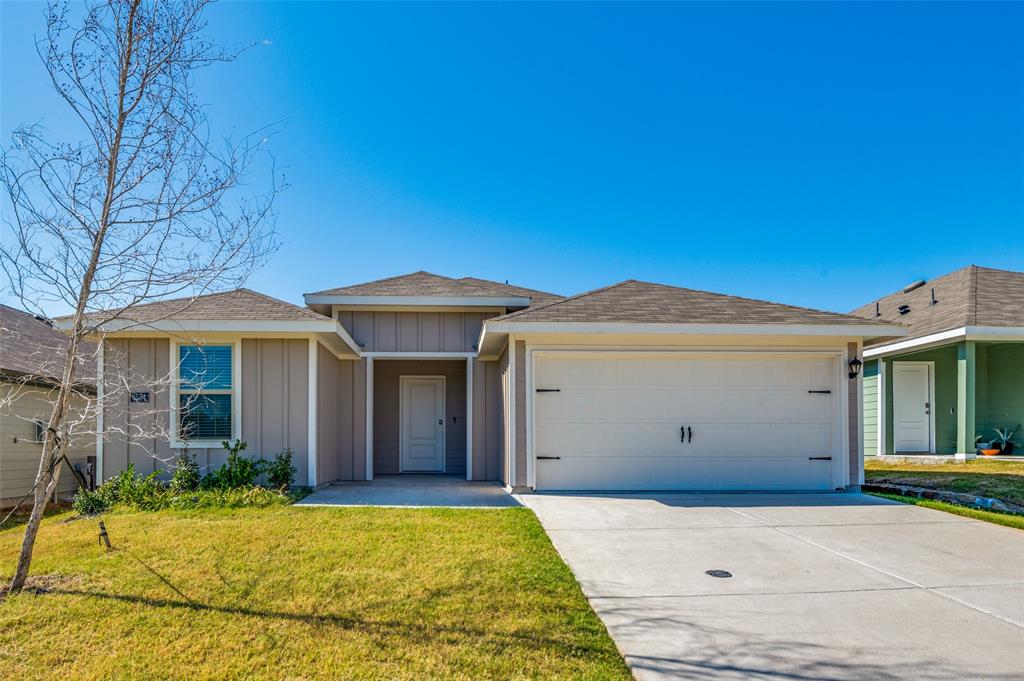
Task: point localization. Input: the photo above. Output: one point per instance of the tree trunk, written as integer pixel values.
(47, 480)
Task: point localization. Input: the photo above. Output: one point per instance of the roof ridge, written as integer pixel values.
(562, 300)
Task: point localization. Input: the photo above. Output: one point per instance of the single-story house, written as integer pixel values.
(958, 373)
(636, 386)
(32, 354)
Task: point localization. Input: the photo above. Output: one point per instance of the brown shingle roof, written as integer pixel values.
(970, 296)
(239, 305)
(635, 301)
(32, 349)
(429, 284)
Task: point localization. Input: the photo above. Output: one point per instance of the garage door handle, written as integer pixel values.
(819, 458)
(549, 458)
(820, 392)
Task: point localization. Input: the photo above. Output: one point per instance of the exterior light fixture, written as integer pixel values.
(855, 365)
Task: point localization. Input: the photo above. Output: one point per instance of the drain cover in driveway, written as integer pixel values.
(718, 573)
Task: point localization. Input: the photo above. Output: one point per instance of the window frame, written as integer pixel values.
(175, 390)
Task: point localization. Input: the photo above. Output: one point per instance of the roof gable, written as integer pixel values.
(414, 284)
(643, 302)
(970, 296)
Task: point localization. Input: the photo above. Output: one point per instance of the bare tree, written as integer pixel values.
(143, 207)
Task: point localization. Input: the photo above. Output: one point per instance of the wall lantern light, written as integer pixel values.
(855, 365)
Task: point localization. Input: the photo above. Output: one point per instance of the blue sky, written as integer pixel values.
(815, 154)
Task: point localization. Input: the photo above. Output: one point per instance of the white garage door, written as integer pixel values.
(685, 422)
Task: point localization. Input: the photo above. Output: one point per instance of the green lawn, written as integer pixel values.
(1008, 519)
(301, 593)
(1000, 479)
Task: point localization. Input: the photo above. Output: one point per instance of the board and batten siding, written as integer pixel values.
(273, 388)
(519, 395)
(383, 331)
(19, 453)
(387, 405)
(871, 382)
(341, 428)
(854, 394)
(488, 422)
(275, 399)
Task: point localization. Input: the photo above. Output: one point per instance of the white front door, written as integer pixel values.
(695, 421)
(422, 424)
(912, 407)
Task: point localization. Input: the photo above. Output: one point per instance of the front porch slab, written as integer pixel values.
(413, 491)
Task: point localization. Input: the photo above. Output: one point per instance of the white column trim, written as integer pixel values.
(311, 441)
(99, 411)
(369, 418)
(470, 396)
(513, 478)
(531, 468)
(881, 435)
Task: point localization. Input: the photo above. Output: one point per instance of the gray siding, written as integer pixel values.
(136, 433)
(386, 403)
(20, 405)
(275, 399)
(871, 408)
(341, 429)
(379, 331)
(488, 422)
(274, 393)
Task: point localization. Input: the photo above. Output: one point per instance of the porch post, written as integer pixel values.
(369, 418)
(469, 418)
(965, 396)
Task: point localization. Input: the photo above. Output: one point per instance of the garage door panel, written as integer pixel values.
(615, 423)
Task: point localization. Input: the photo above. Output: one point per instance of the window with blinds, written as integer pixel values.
(205, 382)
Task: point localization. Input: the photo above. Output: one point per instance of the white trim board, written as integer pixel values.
(978, 333)
(839, 330)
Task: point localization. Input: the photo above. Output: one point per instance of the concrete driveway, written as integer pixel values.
(824, 586)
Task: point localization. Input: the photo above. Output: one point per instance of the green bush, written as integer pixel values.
(186, 474)
(88, 502)
(280, 472)
(233, 485)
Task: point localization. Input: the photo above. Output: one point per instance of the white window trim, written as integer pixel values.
(236, 392)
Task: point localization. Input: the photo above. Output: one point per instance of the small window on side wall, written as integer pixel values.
(205, 393)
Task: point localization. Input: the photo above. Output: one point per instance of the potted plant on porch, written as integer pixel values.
(1003, 436)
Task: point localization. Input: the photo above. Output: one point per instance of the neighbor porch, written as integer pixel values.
(934, 401)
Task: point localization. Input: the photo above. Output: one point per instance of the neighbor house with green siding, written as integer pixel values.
(958, 373)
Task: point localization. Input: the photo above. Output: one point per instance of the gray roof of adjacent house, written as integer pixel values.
(970, 296)
(32, 350)
(427, 284)
(238, 305)
(643, 302)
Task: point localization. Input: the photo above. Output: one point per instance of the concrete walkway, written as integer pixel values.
(823, 586)
(414, 491)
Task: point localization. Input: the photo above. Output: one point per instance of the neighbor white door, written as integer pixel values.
(745, 421)
(422, 424)
(912, 407)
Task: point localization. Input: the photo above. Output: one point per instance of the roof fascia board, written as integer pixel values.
(979, 333)
(844, 330)
(177, 326)
(418, 301)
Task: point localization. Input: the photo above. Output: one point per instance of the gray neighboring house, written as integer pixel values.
(958, 373)
(636, 386)
(31, 354)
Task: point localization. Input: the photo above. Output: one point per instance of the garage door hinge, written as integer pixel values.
(549, 390)
(820, 392)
